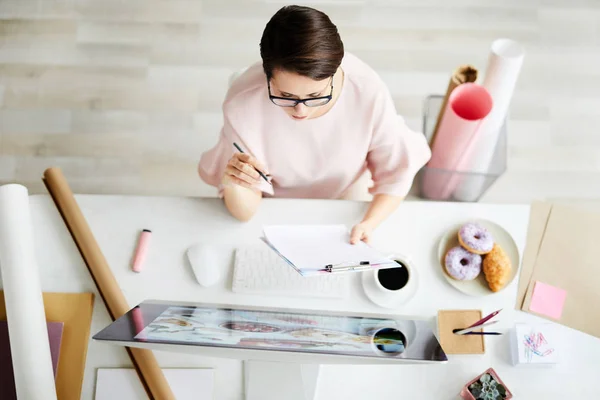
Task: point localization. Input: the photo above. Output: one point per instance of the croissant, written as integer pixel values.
(496, 267)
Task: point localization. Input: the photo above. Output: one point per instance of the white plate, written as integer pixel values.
(479, 286)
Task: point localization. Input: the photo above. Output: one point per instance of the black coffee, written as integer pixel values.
(393, 278)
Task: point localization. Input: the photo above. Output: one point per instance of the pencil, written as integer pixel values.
(261, 174)
(481, 321)
(463, 331)
(482, 333)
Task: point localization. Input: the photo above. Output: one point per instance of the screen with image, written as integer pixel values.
(277, 330)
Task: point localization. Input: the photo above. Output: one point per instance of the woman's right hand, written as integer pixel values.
(240, 170)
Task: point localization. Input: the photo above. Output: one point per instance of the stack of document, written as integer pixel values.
(560, 277)
(322, 249)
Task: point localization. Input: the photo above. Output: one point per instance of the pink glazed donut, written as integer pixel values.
(461, 264)
(475, 238)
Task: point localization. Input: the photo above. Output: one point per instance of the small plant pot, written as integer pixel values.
(466, 392)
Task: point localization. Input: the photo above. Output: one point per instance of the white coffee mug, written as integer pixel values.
(394, 287)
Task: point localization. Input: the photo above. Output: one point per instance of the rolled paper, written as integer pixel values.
(149, 372)
(501, 75)
(463, 74)
(27, 329)
(467, 106)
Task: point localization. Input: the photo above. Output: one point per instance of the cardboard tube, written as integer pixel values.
(463, 74)
(150, 374)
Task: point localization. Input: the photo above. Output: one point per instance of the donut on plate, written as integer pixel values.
(461, 264)
(475, 238)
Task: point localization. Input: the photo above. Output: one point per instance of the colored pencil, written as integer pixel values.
(463, 331)
(481, 321)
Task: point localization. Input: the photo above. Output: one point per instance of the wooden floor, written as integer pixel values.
(125, 95)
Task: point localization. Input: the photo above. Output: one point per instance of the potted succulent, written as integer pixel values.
(487, 386)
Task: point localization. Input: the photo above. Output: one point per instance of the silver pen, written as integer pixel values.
(363, 265)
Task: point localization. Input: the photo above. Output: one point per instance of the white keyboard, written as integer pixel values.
(259, 270)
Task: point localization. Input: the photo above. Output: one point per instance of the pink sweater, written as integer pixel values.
(324, 156)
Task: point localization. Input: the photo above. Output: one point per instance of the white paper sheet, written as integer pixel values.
(502, 71)
(312, 247)
(29, 344)
(124, 384)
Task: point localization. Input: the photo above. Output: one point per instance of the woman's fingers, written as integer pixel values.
(248, 159)
(356, 235)
(242, 170)
(245, 168)
(235, 172)
(359, 233)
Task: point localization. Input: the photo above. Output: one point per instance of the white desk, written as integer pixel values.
(413, 230)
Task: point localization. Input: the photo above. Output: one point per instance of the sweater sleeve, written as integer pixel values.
(396, 153)
(214, 161)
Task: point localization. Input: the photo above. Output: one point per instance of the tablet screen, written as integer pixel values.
(277, 330)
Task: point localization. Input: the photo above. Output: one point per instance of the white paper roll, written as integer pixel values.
(501, 74)
(27, 329)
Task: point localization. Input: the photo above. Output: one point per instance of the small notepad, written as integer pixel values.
(547, 300)
(311, 248)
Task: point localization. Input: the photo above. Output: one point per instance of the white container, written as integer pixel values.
(534, 345)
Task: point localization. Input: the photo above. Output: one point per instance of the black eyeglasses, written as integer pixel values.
(311, 102)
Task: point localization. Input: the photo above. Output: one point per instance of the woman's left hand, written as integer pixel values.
(381, 207)
(361, 231)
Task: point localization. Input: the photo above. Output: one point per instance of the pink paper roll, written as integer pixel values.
(467, 106)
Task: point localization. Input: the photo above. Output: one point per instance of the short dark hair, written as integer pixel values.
(301, 40)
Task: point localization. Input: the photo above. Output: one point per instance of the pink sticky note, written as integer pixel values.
(547, 300)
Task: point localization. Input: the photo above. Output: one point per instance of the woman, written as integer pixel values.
(315, 119)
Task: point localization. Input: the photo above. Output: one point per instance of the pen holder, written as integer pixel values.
(452, 343)
(451, 184)
(488, 385)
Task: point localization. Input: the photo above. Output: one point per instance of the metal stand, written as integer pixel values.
(265, 380)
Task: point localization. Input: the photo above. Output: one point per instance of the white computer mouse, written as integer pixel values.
(209, 262)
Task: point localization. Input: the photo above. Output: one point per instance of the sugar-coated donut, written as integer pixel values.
(461, 264)
(496, 267)
(475, 238)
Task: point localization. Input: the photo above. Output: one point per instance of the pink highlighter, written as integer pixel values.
(142, 249)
